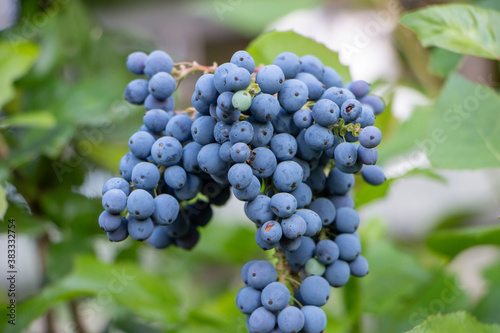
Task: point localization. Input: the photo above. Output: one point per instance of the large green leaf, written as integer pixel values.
(459, 322)
(36, 119)
(452, 242)
(266, 47)
(458, 28)
(15, 61)
(486, 309)
(443, 62)
(126, 284)
(465, 129)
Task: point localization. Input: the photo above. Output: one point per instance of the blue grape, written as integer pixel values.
(290, 245)
(159, 238)
(338, 182)
(238, 79)
(353, 168)
(202, 130)
(346, 154)
(261, 321)
(290, 320)
(242, 131)
(287, 176)
(179, 127)
(284, 146)
(319, 137)
(175, 177)
(375, 102)
(327, 251)
(303, 194)
(244, 271)
(359, 267)
(158, 61)
(260, 274)
(283, 204)
(210, 161)
(304, 151)
(263, 132)
(166, 209)
(205, 88)
(118, 183)
(119, 234)
(270, 232)
(349, 246)
(317, 180)
(259, 210)
(155, 120)
(305, 167)
(313, 222)
(221, 74)
(303, 118)
(289, 64)
(294, 226)
(373, 175)
(145, 175)
(325, 209)
(275, 296)
(127, 164)
(225, 152)
(249, 193)
(109, 222)
(266, 246)
(140, 230)
(240, 176)
(315, 290)
(351, 110)
(136, 91)
(136, 62)
(293, 95)
(284, 123)
(189, 240)
(347, 220)
(314, 319)
(239, 152)
(190, 189)
(368, 156)
(166, 105)
(331, 78)
(200, 213)
(140, 144)
(179, 227)
(298, 258)
(338, 273)
(367, 117)
(248, 300)
(359, 88)
(200, 105)
(140, 204)
(314, 86)
(263, 162)
(264, 107)
(114, 201)
(311, 64)
(370, 137)
(225, 101)
(162, 85)
(342, 200)
(190, 157)
(166, 151)
(243, 59)
(338, 95)
(221, 132)
(270, 79)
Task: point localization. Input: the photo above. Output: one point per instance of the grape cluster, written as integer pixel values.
(287, 139)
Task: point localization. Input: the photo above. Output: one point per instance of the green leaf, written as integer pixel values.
(37, 119)
(15, 60)
(452, 242)
(443, 62)
(465, 129)
(486, 309)
(3, 203)
(266, 47)
(459, 322)
(126, 284)
(458, 28)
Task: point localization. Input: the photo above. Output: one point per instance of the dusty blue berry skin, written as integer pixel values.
(338, 95)
(303, 194)
(294, 226)
(370, 137)
(265, 107)
(368, 156)
(118, 183)
(275, 296)
(351, 110)
(359, 267)
(202, 130)
(314, 86)
(325, 112)
(293, 95)
(373, 175)
(136, 91)
(313, 222)
(166, 151)
(109, 222)
(332, 79)
(166, 209)
(259, 210)
(287, 176)
(319, 138)
(140, 204)
(242, 131)
(162, 85)
(136, 62)
(240, 176)
(262, 320)
(349, 246)
(315, 290)
(325, 209)
(260, 274)
(347, 220)
(314, 319)
(289, 64)
(270, 232)
(327, 251)
(248, 300)
(140, 230)
(263, 162)
(338, 273)
(158, 61)
(243, 59)
(283, 204)
(250, 193)
(339, 182)
(290, 319)
(114, 201)
(375, 102)
(270, 79)
(311, 64)
(145, 175)
(359, 88)
(239, 152)
(303, 118)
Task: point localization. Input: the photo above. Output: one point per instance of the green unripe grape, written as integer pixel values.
(314, 267)
(242, 100)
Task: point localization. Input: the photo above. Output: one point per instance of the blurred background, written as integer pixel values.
(431, 233)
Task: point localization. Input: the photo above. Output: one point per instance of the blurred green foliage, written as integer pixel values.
(63, 118)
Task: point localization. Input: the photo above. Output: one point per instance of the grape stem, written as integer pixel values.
(183, 69)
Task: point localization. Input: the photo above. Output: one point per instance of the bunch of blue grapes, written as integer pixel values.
(287, 139)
